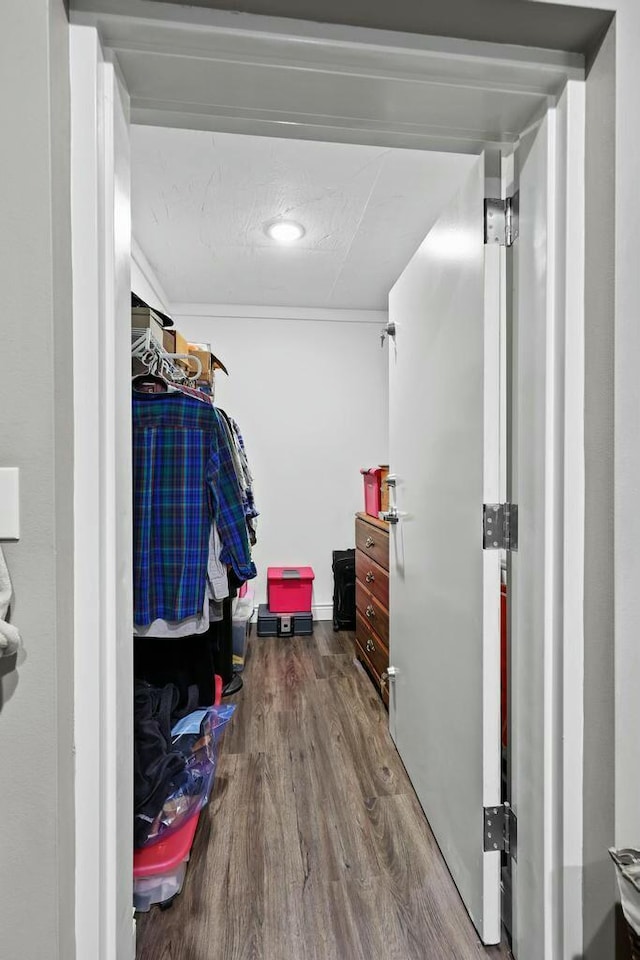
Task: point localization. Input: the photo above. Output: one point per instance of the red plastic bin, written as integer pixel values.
(289, 589)
(372, 491)
(167, 854)
(159, 871)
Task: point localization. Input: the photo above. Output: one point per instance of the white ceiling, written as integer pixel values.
(201, 200)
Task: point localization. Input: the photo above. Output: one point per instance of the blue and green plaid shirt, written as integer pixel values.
(183, 479)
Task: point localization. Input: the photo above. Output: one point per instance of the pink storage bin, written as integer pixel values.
(372, 491)
(289, 589)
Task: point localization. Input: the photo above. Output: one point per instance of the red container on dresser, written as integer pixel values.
(289, 589)
(372, 491)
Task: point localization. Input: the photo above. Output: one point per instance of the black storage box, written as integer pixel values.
(283, 624)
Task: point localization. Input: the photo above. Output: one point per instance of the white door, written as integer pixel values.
(445, 589)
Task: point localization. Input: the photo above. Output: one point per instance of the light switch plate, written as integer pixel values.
(9, 503)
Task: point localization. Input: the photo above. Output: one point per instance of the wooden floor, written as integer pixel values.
(314, 846)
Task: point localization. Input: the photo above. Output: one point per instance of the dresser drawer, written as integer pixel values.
(373, 541)
(371, 646)
(373, 577)
(373, 612)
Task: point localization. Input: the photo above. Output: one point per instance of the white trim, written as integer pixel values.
(139, 258)
(305, 127)
(572, 109)
(323, 611)
(318, 36)
(117, 515)
(552, 540)
(317, 48)
(103, 725)
(201, 46)
(247, 311)
(91, 891)
(491, 577)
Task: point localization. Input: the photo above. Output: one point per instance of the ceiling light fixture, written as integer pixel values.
(285, 231)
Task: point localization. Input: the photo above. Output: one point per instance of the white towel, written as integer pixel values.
(9, 635)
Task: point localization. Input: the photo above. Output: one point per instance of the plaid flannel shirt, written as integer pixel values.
(184, 479)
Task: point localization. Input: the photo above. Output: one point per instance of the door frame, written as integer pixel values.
(102, 437)
(549, 919)
(103, 610)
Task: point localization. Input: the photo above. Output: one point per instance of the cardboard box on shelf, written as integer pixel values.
(204, 357)
(182, 344)
(143, 318)
(169, 340)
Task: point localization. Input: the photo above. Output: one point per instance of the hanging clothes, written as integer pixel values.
(238, 452)
(184, 480)
(250, 506)
(245, 479)
(237, 447)
(217, 590)
(217, 573)
(192, 392)
(237, 465)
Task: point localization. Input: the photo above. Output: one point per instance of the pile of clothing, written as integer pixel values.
(176, 748)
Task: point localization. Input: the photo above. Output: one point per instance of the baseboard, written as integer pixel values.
(321, 611)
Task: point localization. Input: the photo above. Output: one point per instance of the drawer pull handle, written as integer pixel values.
(369, 542)
(371, 647)
(370, 612)
(370, 577)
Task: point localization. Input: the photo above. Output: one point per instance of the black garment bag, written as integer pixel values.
(344, 589)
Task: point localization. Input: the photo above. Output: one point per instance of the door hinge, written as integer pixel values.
(501, 830)
(500, 526)
(502, 220)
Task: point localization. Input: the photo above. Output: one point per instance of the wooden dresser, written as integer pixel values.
(372, 598)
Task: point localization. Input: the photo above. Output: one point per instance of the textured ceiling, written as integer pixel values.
(201, 201)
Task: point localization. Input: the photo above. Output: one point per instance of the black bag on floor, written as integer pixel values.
(344, 589)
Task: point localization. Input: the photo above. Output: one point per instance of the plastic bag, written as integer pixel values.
(196, 737)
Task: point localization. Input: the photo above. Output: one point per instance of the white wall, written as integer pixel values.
(144, 281)
(311, 398)
(36, 434)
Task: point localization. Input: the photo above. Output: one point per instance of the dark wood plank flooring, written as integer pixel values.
(314, 846)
